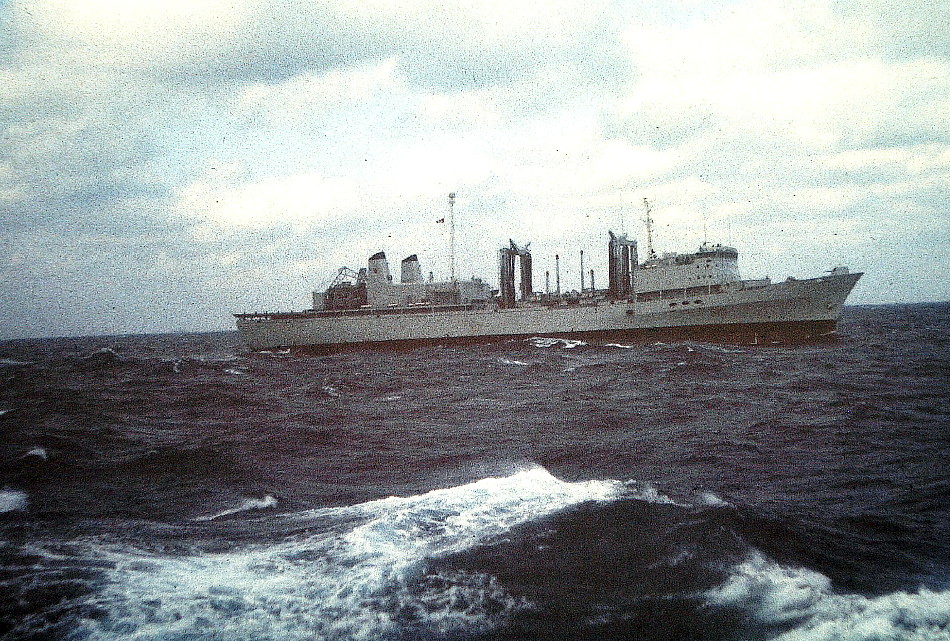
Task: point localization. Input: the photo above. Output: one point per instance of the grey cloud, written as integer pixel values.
(444, 51)
(653, 126)
(904, 29)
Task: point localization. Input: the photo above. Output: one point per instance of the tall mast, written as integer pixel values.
(452, 234)
(582, 271)
(649, 221)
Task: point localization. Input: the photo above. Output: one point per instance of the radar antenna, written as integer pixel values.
(648, 206)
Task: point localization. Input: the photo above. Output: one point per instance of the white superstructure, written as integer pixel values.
(374, 288)
(711, 266)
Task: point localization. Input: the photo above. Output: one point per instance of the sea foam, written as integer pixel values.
(363, 578)
(547, 341)
(244, 506)
(37, 452)
(12, 500)
(803, 602)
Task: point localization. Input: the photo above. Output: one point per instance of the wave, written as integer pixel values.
(802, 603)
(279, 353)
(246, 506)
(12, 500)
(520, 556)
(363, 578)
(330, 390)
(102, 358)
(546, 341)
(38, 452)
(107, 359)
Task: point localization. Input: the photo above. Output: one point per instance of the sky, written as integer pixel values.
(166, 163)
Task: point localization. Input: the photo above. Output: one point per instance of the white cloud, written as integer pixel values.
(224, 197)
(263, 141)
(911, 160)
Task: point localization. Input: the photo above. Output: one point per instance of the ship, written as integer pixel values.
(671, 296)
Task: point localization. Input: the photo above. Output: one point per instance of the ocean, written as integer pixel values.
(180, 487)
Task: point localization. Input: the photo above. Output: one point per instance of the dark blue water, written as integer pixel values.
(180, 487)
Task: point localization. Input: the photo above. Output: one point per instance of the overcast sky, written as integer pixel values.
(166, 163)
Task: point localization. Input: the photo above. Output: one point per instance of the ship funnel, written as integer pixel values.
(411, 272)
(379, 267)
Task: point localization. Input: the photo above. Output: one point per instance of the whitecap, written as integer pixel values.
(721, 349)
(103, 352)
(230, 358)
(38, 452)
(803, 602)
(278, 353)
(246, 505)
(618, 345)
(9, 362)
(356, 579)
(647, 492)
(709, 499)
(547, 341)
(510, 361)
(12, 500)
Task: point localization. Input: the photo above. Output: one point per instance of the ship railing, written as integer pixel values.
(362, 311)
(669, 294)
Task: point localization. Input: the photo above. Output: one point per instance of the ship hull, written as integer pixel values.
(791, 310)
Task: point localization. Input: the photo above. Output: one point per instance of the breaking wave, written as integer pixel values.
(247, 505)
(525, 555)
(779, 597)
(546, 341)
(364, 578)
(37, 452)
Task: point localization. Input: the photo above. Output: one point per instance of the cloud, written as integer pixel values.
(900, 31)
(249, 148)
